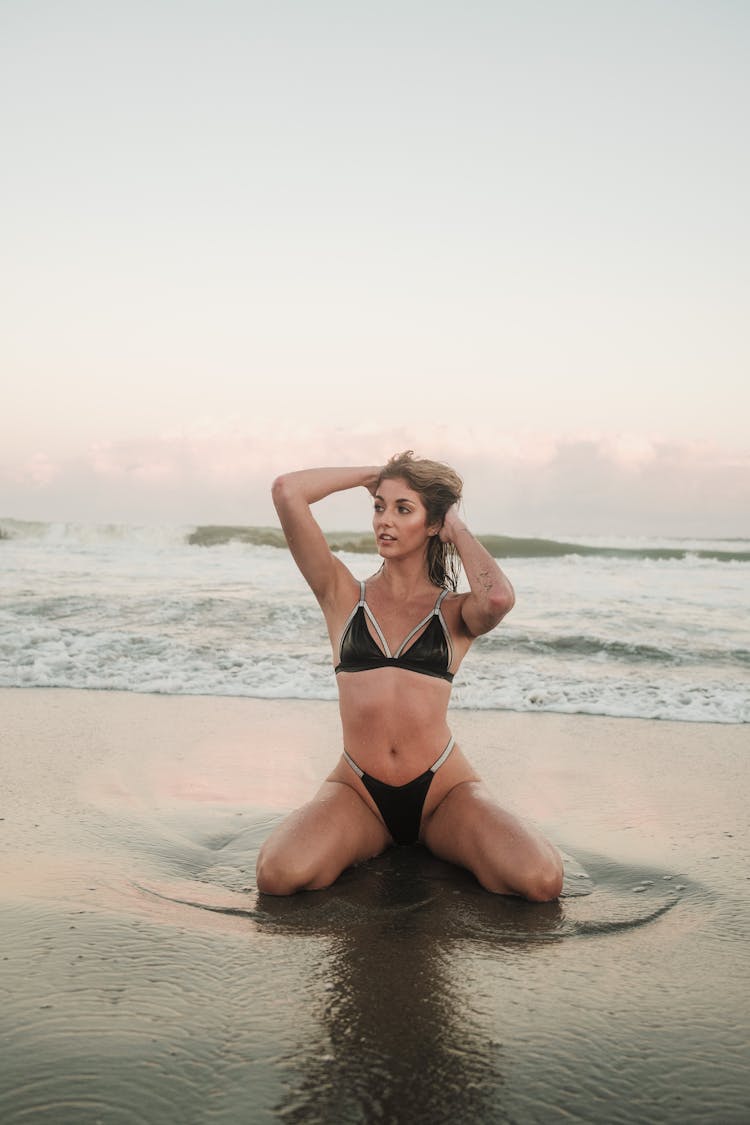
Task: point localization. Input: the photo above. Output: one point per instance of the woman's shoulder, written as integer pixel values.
(451, 608)
(343, 592)
(451, 597)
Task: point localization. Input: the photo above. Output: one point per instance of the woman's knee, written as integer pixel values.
(275, 873)
(546, 885)
(273, 879)
(281, 872)
(542, 880)
(538, 878)
(310, 849)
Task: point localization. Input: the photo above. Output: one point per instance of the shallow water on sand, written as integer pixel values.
(144, 980)
(164, 989)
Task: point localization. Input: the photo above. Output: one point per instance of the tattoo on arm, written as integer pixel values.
(484, 577)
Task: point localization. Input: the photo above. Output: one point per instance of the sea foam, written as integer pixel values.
(144, 609)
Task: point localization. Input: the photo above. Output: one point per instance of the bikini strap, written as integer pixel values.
(444, 624)
(436, 765)
(359, 772)
(352, 615)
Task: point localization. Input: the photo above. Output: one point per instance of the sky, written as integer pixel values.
(244, 237)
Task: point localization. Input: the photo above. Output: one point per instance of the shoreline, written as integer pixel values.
(303, 701)
(577, 775)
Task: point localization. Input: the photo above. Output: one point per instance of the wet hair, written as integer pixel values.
(440, 488)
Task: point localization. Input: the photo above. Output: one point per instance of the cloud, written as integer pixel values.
(519, 483)
(621, 486)
(38, 471)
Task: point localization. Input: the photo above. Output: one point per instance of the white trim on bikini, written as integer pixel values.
(433, 768)
(434, 612)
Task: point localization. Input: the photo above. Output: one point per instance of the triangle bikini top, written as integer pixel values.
(430, 654)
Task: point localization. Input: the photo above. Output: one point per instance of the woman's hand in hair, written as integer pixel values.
(372, 484)
(452, 525)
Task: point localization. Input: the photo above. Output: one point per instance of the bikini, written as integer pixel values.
(431, 654)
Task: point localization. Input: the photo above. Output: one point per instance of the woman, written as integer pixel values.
(398, 639)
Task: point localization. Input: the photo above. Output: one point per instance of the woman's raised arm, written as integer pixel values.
(293, 493)
(491, 595)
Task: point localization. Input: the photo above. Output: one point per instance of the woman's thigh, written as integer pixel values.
(507, 855)
(314, 844)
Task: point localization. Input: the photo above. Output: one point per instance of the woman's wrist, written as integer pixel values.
(451, 532)
(370, 477)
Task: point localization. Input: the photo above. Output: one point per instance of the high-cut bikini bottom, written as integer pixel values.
(401, 805)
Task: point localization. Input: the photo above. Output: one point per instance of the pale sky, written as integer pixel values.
(240, 237)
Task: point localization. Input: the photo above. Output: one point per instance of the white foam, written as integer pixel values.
(74, 534)
(149, 614)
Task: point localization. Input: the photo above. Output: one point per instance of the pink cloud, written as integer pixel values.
(516, 482)
(38, 472)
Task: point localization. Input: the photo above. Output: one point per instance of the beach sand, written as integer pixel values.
(144, 980)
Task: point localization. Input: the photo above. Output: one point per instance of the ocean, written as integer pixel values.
(651, 628)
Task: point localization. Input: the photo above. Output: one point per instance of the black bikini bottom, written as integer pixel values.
(401, 805)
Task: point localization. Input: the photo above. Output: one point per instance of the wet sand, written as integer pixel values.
(144, 980)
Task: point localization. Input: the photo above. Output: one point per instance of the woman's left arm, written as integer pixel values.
(491, 594)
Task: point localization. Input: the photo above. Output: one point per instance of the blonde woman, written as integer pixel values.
(398, 640)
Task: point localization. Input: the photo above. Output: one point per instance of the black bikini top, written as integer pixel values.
(430, 654)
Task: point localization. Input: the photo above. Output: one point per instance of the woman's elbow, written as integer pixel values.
(501, 602)
(280, 489)
(503, 599)
(489, 613)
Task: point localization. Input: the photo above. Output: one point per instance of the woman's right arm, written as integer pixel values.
(293, 493)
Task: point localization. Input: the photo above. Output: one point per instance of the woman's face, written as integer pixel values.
(399, 520)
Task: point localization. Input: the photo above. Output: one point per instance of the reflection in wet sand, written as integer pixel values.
(400, 1032)
(399, 1039)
